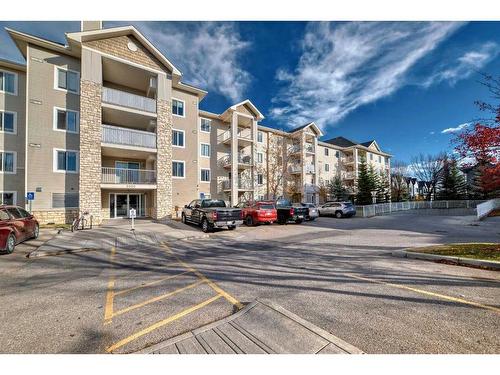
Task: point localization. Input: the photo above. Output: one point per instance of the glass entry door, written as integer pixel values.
(120, 205)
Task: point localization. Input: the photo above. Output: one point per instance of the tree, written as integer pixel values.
(365, 185)
(399, 181)
(428, 168)
(385, 187)
(337, 189)
(323, 190)
(452, 185)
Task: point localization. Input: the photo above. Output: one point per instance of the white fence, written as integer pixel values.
(385, 208)
(127, 99)
(128, 176)
(128, 137)
(485, 208)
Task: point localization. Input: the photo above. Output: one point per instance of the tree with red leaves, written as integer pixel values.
(479, 146)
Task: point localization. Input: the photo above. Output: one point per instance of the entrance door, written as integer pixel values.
(120, 205)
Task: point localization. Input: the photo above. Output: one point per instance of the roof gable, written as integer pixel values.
(250, 107)
(311, 125)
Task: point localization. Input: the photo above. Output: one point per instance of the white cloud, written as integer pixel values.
(207, 53)
(465, 65)
(455, 129)
(432, 133)
(346, 65)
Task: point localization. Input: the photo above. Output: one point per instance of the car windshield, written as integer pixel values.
(266, 206)
(283, 203)
(208, 203)
(348, 204)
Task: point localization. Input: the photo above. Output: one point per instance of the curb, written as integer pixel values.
(460, 261)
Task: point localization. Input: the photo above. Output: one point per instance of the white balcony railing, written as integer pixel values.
(245, 160)
(310, 188)
(349, 175)
(128, 137)
(295, 168)
(309, 148)
(243, 184)
(347, 160)
(243, 134)
(294, 149)
(128, 176)
(126, 99)
(310, 168)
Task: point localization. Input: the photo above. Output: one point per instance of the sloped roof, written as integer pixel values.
(341, 142)
(309, 124)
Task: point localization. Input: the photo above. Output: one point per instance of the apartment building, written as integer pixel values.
(104, 123)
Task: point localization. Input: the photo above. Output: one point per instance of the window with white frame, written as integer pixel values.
(260, 157)
(7, 162)
(205, 125)
(8, 198)
(260, 137)
(205, 150)
(380, 159)
(327, 167)
(65, 161)
(8, 122)
(8, 82)
(260, 179)
(205, 175)
(66, 120)
(178, 107)
(371, 156)
(178, 138)
(67, 80)
(326, 151)
(178, 169)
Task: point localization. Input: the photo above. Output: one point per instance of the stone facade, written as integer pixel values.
(163, 198)
(90, 149)
(56, 216)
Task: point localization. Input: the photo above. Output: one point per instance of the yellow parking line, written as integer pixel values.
(150, 284)
(432, 294)
(108, 310)
(156, 299)
(161, 324)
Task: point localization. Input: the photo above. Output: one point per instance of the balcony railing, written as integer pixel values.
(347, 160)
(128, 176)
(243, 184)
(310, 188)
(309, 148)
(126, 99)
(349, 175)
(243, 134)
(294, 149)
(128, 137)
(245, 160)
(295, 168)
(310, 168)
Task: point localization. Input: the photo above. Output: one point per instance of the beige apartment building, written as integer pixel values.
(104, 123)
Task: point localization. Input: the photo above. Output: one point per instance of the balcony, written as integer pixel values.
(309, 148)
(244, 136)
(295, 169)
(244, 184)
(128, 100)
(294, 149)
(310, 169)
(349, 175)
(348, 160)
(128, 177)
(128, 137)
(244, 161)
(310, 188)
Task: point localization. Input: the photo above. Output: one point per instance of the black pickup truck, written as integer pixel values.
(211, 213)
(287, 212)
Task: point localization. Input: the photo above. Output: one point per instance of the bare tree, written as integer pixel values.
(399, 172)
(428, 168)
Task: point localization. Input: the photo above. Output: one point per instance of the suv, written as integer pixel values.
(16, 225)
(337, 209)
(313, 210)
(212, 213)
(258, 212)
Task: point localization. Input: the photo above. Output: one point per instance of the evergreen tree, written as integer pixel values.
(453, 185)
(337, 189)
(365, 185)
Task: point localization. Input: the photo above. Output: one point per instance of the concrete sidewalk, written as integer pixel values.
(259, 328)
(115, 232)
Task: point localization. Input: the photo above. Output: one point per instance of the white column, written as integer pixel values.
(234, 159)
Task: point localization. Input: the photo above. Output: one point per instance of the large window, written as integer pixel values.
(66, 161)
(206, 125)
(64, 200)
(205, 175)
(8, 197)
(178, 138)
(178, 169)
(65, 120)
(205, 150)
(8, 82)
(178, 107)
(7, 162)
(8, 122)
(67, 80)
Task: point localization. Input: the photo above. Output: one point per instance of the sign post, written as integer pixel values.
(132, 215)
(30, 197)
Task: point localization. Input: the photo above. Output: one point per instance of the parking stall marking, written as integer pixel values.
(425, 292)
(124, 291)
(108, 310)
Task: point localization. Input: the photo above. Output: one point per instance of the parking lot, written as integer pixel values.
(336, 273)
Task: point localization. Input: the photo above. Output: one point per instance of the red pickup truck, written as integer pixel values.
(258, 212)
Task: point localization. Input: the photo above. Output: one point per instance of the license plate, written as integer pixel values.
(229, 222)
(301, 217)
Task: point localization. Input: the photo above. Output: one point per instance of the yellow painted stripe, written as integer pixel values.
(214, 286)
(160, 324)
(108, 310)
(119, 293)
(432, 294)
(156, 299)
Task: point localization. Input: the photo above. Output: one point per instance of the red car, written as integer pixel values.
(259, 212)
(16, 225)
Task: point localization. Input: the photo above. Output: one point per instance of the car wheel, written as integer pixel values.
(36, 232)
(299, 221)
(231, 227)
(11, 244)
(249, 221)
(183, 218)
(312, 218)
(338, 214)
(205, 226)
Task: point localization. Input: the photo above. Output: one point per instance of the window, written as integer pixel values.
(337, 154)
(371, 156)
(386, 160)
(67, 80)
(260, 157)
(14, 212)
(7, 162)
(8, 122)
(327, 167)
(206, 125)
(178, 138)
(380, 159)
(23, 212)
(326, 151)
(260, 179)
(178, 169)
(8, 82)
(260, 137)
(205, 175)
(4, 215)
(66, 161)
(64, 200)
(65, 120)
(205, 150)
(8, 198)
(178, 107)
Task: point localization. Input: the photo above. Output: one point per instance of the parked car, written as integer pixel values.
(212, 213)
(313, 211)
(261, 212)
(337, 209)
(287, 212)
(16, 225)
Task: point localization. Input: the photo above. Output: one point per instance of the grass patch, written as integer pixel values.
(55, 226)
(484, 251)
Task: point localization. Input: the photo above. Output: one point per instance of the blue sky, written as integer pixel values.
(408, 85)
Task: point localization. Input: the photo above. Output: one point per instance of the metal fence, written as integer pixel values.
(127, 99)
(128, 176)
(129, 137)
(386, 208)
